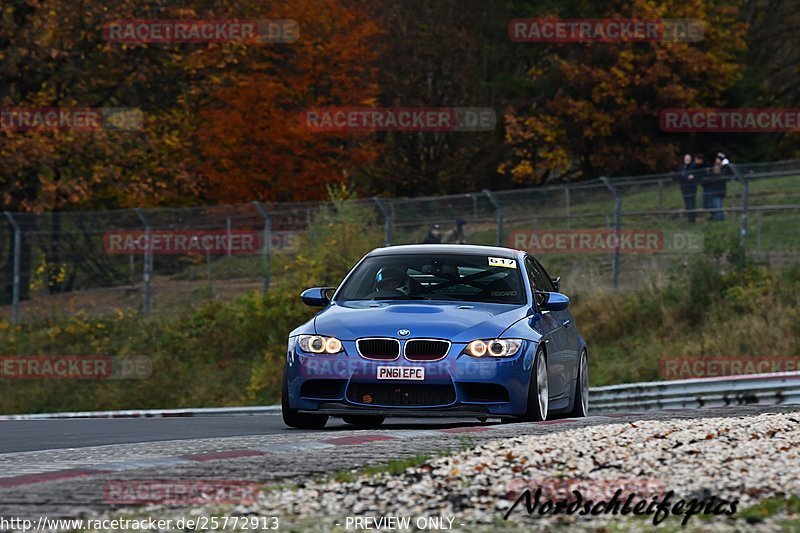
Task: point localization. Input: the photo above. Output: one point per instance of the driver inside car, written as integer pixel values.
(392, 279)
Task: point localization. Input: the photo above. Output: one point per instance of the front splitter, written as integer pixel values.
(340, 409)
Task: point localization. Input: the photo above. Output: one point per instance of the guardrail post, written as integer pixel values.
(745, 207)
(617, 229)
(147, 268)
(267, 238)
(500, 215)
(387, 220)
(17, 267)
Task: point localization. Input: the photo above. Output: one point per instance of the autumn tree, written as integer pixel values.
(594, 108)
(53, 55)
(771, 70)
(254, 143)
(447, 53)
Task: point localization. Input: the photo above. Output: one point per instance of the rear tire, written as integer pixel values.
(538, 400)
(295, 419)
(369, 421)
(580, 406)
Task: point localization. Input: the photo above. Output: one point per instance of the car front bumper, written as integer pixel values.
(456, 386)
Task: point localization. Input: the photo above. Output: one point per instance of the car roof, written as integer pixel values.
(444, 249)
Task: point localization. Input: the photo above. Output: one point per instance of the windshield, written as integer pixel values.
(472, 278)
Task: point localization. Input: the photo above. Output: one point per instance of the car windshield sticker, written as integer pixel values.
(503, 293)
(502, 262)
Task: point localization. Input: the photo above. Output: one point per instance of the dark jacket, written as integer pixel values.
(682, 177)
(702, 175)
(432, 238)
(716, 181)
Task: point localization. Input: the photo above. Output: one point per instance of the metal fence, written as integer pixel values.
(62, 262)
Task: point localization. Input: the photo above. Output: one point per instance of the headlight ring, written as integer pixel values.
(319, 344)
(493, 347)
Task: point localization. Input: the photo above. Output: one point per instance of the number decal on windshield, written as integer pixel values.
(502, 262)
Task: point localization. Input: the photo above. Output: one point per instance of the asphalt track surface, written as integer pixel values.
(37, 435)
(69, 468)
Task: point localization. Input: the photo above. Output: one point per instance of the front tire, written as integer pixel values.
(292, 417)
(538, 399)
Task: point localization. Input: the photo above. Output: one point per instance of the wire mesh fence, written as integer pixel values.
(622, 229)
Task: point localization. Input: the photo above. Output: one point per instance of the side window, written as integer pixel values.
(529, 270)
(537, 280)
(548, 283)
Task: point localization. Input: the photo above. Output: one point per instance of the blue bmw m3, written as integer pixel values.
(437, 330)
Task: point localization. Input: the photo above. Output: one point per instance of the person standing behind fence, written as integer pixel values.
(456, 235)
(718, 183)
(434, 236)
(701, 174)
(688, 184)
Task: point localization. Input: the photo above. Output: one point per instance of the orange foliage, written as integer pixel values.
(253, 139)
(601, 113)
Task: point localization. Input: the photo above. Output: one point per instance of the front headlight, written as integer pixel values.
(319, 344)
(493, 348)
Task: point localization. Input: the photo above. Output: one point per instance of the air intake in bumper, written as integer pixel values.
(401, 394)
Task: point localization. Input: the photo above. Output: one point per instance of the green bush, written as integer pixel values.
(721, 304)
(231, 353)
(217, 354)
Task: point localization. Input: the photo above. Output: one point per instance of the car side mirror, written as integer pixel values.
(555, 301)
(556, 282)
(316, 296)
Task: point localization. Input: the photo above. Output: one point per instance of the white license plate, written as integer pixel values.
(415, 373)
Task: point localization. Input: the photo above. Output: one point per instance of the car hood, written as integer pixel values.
(456, 321)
